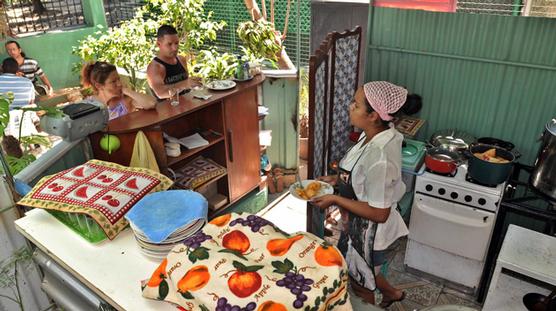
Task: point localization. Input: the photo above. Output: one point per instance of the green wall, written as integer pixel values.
(53, 49)
(281, 98)
(485, 74)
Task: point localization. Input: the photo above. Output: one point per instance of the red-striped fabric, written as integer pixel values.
(427, 5)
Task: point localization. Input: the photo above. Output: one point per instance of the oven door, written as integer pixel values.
(450, 226)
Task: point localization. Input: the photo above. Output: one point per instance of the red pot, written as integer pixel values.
(442, 161)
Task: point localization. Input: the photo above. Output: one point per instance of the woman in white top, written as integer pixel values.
(370, 187)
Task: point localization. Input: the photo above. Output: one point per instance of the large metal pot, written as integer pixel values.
(486, 172)
(543, 177)
(443, 161)
(496, 142)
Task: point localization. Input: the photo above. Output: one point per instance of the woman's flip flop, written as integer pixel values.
(386, 304)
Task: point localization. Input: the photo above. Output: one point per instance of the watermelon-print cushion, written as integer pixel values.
(244, 262)
(104, 191)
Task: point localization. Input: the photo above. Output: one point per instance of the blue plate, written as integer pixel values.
(160, 214)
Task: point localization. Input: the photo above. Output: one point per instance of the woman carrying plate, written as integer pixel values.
(370, 186)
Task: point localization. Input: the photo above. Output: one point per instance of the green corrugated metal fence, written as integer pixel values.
(485, 74)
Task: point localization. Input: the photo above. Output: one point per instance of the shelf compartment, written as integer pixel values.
(211, 137)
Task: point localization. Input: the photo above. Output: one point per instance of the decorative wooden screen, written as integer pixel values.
(333, 76)
(344, 70)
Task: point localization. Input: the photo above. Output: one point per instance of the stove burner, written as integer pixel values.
(442, 174)
(471, 180)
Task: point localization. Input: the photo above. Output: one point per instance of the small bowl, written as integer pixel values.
(172, 146)
(173, 153)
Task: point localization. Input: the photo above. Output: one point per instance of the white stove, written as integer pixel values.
(450, 227)
(460, 188)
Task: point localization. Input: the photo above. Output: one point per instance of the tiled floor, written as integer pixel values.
(289, 214)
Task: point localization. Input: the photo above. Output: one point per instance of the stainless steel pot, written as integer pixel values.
(451, 139)
(543, 177)
(486, 172)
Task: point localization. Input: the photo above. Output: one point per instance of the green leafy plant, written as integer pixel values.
(9, 270)
(4, 111)
(132, 44)
(211, 65)
(194, 25)
(260, 40)
(20, 159)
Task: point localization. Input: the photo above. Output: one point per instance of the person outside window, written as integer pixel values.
(29, 68)
(23, 94)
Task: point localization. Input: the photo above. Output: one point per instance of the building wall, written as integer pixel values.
(485, 74)
(53, 49)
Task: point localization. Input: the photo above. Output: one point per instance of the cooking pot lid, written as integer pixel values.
(551, 126)
(452, 139)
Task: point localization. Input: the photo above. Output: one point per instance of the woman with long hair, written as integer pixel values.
(105, 81)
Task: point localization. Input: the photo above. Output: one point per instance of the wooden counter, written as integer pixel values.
(228, 120)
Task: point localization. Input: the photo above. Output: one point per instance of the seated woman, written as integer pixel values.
(108, 88)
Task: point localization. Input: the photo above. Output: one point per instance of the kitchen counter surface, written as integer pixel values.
(530, 253)
(112, 269)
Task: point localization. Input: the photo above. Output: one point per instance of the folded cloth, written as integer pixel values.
(161, 214)
(143, 155)
(199, 171)
(244, 262)
(102, 190)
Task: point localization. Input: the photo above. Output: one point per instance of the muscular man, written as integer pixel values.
(167, 72)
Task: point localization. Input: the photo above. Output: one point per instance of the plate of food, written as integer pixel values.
(310, 189)
(220, 85)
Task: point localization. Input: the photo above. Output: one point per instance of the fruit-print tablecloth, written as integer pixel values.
(104, 191)
(243, 262)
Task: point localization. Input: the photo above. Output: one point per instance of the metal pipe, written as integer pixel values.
(47, 264)
(460, 57)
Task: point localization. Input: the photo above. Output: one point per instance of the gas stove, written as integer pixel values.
(460, 188)
(450, 227)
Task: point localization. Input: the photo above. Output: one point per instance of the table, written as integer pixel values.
(59, 96)
(525, 253)
(111, 269)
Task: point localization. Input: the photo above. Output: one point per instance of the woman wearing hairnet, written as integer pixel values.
(370, 186)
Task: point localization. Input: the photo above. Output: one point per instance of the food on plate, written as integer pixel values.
(490, 156)
(309, 191)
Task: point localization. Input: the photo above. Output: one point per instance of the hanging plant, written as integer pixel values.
(260, 39)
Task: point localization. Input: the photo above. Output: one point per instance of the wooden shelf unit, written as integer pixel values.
(189, 153)
(228, 120)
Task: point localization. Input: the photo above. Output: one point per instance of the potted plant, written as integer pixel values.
(260, 41)
(211, 65)
(261, 34)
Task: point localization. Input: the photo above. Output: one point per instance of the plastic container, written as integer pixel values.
(81, 224)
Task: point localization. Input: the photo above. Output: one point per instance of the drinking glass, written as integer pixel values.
(174, 96)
